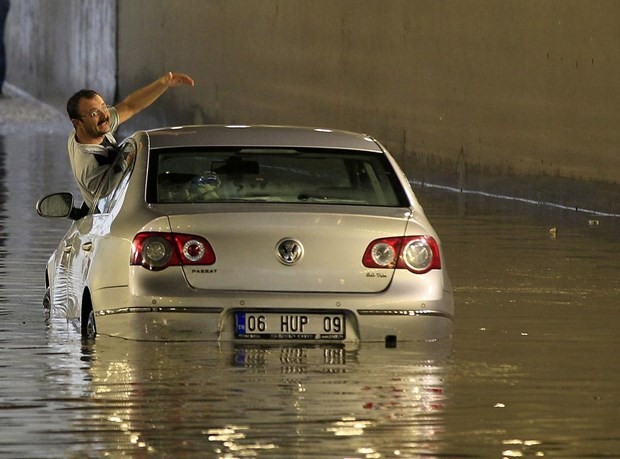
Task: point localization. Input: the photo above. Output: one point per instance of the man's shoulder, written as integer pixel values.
(82, 156)
(75, 147)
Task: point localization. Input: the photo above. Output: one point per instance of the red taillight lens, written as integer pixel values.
(157, 251)
(383, 253)
(154, 251)
(418, 254)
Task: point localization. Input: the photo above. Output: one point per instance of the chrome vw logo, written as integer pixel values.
(289, 251)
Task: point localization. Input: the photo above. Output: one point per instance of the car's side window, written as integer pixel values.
(124, 165)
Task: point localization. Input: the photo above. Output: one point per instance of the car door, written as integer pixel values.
(77, 248)
(61, 289)
(80, 244)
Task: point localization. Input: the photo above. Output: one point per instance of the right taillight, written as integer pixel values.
(157, 251)
(418, 254)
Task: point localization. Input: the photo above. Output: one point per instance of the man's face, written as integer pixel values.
(94, 117)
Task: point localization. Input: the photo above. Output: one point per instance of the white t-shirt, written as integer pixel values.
(91, 162)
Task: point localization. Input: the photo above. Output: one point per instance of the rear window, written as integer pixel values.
(273, 175)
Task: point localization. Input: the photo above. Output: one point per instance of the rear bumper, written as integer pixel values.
(369, 318)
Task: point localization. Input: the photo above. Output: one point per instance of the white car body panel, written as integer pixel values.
(92, 267)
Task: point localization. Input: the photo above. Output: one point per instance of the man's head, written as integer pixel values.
(89, 115)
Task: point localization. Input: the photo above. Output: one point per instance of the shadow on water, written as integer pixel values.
(532, 369)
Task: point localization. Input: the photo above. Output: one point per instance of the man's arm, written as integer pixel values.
(143, 97)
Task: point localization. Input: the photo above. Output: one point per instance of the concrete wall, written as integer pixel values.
(523, 88)
(55, 48)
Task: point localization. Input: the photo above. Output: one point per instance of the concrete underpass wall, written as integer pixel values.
(501, 91)
(55, 48)
(521, 87)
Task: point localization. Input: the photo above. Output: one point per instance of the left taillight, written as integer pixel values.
(157, 251)
(418, 254)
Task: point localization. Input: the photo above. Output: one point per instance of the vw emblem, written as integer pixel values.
(289, 251)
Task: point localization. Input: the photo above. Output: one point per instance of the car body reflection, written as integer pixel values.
(235, 400)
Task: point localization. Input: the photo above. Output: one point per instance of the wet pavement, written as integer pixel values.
(532, 370)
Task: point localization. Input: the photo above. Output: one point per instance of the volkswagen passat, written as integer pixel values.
(251, 233)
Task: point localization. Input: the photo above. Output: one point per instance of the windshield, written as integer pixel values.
(273, 175)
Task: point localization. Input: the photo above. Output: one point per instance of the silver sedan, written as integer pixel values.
(251, 233)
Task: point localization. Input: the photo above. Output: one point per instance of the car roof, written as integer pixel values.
(259, 136)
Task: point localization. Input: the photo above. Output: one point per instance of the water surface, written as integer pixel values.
(532, 370)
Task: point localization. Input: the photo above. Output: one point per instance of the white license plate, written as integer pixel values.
(289, 325)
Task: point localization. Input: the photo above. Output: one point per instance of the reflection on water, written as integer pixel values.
(240, 401)
(535, 368)
(532, 370)
(3, 233)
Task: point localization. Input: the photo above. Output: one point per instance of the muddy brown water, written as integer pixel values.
(532, 370)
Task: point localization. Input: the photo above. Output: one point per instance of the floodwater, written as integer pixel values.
(533, 369)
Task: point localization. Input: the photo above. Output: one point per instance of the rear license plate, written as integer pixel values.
(288, 325)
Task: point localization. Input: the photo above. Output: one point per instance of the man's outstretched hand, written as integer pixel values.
(173, 79)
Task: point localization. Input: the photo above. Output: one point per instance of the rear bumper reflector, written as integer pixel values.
(401, 312)
(161, 309)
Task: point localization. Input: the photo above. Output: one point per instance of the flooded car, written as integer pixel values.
(243, 233)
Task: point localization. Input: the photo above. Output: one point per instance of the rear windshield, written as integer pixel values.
(273, 175)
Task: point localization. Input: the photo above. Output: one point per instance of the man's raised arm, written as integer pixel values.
(145, 96)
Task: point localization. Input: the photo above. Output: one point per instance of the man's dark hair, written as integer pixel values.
(74, 101)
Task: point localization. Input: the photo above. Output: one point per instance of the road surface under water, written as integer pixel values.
(532, 370)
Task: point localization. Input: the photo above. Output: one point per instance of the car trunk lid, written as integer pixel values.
(296, 251)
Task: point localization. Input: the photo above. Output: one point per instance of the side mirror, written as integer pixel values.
(57, 205)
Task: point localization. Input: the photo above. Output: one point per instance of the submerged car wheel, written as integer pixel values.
(89, 328)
